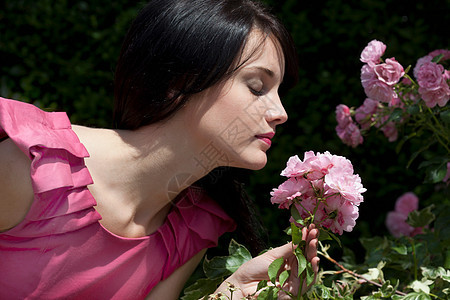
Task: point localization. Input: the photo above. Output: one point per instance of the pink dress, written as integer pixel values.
(60, 250)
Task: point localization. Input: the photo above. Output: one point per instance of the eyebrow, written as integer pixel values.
(269, 72)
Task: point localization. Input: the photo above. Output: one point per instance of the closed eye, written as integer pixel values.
(256, 92)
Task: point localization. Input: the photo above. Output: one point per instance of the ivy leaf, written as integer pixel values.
(221, 266)
(274, 268)
(200, 288)
(421, 218)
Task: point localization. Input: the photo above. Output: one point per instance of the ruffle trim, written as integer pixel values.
(195, 223)
(58, 173)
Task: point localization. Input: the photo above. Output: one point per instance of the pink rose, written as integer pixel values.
(396, 220)
(347, 185)
(285, 194)
(343, 116)
(420, 62)
(389, 72)
(341, 215)
(390, 131)
(430, 76)
(373, 52)
(433, 97)
(380, 91)
(367, 75)
(364, 114)
(350, 135)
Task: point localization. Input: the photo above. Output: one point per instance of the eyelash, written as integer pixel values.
(255, 92)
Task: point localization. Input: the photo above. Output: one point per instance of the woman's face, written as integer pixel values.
(234, 121)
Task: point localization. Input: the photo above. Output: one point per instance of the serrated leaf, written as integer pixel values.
(221, 266)
(309, 274)
(274, 268)
(296, 234)
(283, 277)
(201, 288)
(421, 218)
(301, 260)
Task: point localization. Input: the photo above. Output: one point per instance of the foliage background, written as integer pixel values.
(60, 55)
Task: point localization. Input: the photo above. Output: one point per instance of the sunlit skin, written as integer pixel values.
(240, 116)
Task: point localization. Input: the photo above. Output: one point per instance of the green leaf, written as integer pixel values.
(296, 215)
(323, 235)
(201, 288)
(262, 284)
(334, 237)
(435, 169)
(400, 249)
(296, 234)
(309, 274)
(301, 259)
(416, 296)
(283, 277)
(437, 58)
(395, 115)
(274, 268)
(221, 266)
(445, 116)
(421, 218)
(270, 293)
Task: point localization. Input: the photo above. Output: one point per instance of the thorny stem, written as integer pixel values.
(327, 256)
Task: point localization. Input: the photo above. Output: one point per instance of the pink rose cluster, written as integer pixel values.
(383, 82)
(324, 187)
(378, 78)
(433, 79)
(396, 220)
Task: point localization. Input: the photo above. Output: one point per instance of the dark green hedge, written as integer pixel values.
(60, 55)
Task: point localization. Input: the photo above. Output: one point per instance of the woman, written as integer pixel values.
(128, 213)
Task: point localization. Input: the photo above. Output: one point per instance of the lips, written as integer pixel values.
(266, 137)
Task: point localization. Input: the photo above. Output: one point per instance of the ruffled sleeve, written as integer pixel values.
(195, 223)
(58, 173)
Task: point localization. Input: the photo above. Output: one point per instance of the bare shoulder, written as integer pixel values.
(16, 191)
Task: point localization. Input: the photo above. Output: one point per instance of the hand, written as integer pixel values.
(247, 277)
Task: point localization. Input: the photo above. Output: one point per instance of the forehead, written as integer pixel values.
(263, 51)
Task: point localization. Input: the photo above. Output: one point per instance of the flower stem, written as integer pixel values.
(327, 256)
(414, 257)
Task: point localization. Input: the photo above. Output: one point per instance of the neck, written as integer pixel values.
(142, 171)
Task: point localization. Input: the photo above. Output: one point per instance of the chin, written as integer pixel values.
(255, 161)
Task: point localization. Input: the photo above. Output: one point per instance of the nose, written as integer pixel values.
(275, 113)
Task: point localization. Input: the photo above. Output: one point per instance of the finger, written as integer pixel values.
(315, 264)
